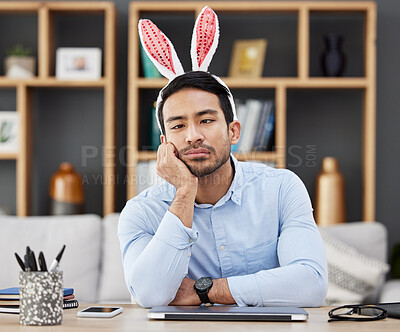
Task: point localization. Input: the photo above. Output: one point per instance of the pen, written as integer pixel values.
(54, 264)
(42, 262)
(20, 262)
(33, 261)
(27, 265)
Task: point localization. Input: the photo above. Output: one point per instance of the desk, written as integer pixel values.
(134, 318)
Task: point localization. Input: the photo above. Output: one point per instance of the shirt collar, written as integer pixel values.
(235, 190)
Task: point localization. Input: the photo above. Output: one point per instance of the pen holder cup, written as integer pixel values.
(41, 298)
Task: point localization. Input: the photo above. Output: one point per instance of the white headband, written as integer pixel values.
(162, 53)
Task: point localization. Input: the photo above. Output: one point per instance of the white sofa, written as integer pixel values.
(91, 263)
(92, 260)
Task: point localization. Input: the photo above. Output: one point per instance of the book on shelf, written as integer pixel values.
(257, 118)
(268, 136)
(149, 69)
(240, 113)
(154, 131)
(265, 110)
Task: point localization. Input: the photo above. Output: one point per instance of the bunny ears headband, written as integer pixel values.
(161, 52)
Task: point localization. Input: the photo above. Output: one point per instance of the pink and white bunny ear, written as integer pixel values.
(204, 39)
(159, 49)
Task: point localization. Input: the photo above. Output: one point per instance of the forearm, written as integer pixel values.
(156, 275)
(220, 292)
(183, 205)
(294, 285)
(155, 265)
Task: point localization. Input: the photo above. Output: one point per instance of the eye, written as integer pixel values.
(207, 121)
(177, 127)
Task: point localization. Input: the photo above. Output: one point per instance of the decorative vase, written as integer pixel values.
(330, 201)
(20, 66)
(333, 59)
(66, 191)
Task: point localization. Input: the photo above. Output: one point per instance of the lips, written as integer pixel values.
(197, 153)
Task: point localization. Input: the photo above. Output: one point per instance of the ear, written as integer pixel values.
(204, 39)
(159, 49)
(234, 132)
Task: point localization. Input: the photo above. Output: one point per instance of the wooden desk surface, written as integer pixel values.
(134, 318)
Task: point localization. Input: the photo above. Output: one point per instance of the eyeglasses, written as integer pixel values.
(357, 313)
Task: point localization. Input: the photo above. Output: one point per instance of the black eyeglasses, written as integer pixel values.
(357, 313)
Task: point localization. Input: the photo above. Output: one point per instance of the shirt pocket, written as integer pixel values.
(262, 257)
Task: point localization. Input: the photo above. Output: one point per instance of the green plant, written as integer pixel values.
(19, 50)
(5, 131)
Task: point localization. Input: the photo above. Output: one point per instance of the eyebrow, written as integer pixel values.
(198, 114)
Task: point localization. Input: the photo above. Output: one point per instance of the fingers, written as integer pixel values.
(171, 168)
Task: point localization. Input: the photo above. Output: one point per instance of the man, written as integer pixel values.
(246, 227)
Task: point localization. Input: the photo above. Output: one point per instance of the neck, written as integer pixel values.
(213, 187)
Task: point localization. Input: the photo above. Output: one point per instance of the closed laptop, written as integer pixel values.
(220, 312)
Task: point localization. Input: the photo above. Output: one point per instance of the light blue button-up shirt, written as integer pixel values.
(260, 235)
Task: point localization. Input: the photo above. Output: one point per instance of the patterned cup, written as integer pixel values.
(41, 298)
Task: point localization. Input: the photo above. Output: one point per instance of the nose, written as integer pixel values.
(193, 134)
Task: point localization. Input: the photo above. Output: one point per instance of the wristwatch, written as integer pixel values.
(202, 287)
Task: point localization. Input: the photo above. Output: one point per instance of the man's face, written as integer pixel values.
(195, 123)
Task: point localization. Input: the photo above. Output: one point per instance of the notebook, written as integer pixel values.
(219, 312)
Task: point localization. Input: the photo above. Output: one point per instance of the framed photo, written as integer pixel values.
(9, 128)
(248, 58)
(78, 63)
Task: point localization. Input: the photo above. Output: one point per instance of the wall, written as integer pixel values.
(305, 120)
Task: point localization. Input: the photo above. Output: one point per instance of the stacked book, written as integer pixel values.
(257, 118)
(9, 300)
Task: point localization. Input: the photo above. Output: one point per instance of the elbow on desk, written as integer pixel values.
(315, 292)
(151, 300)
(148, 295)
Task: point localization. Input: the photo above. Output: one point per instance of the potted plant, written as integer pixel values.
(19, 62)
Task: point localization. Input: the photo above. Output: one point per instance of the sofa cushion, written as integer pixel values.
(353, 276)
(369, 238)
(112, 281)
(81, 260)
(391, 291)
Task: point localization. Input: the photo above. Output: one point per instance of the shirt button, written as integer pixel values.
(222, 247)
(214, 208)
(191, 240)
(190, 254)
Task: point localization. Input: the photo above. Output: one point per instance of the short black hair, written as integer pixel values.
(197, 80)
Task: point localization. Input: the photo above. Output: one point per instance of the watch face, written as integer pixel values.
(203, 283)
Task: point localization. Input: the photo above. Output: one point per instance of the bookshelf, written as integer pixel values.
(44, 14)
(302, 12)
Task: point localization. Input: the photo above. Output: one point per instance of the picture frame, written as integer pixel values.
(78, 63)
(9, 132)
(247, 58)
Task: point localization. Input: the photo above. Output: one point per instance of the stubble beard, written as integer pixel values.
(196, 166)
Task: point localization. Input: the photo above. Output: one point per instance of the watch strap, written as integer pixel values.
(203, 297)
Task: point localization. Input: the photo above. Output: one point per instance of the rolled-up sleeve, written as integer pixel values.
(155, 261)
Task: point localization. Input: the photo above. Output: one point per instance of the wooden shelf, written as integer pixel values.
(303, 80)
(273, 82)
(252, 6)
(8, 156)
(266, 155)
(51, 82)
(45, 12)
